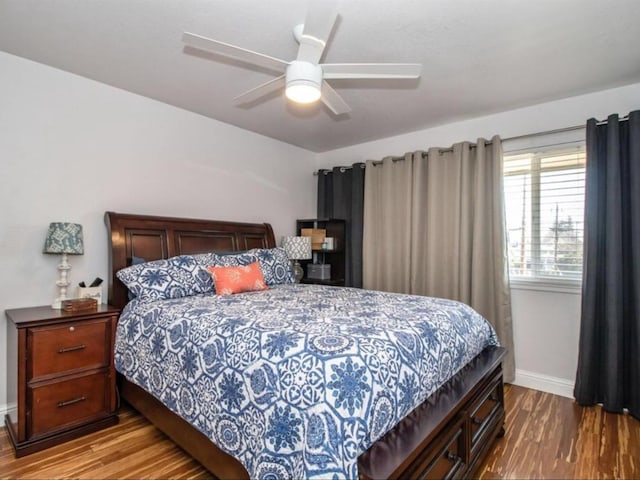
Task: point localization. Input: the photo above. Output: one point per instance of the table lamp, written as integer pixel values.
(66, 239)
(297, 248)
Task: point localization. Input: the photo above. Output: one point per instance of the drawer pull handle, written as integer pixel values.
(452, 457)
(71, 402)
(72, 349)
(476, 421)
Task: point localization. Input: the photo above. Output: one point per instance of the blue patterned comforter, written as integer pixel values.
(298, 380)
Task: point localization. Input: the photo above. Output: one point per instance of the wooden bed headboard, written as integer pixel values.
(152, 238)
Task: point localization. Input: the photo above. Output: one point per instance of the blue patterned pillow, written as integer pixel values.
(275, 265)
(241, 259)
(134, 261)
(176, 277)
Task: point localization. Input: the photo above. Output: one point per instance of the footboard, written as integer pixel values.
(450, 434)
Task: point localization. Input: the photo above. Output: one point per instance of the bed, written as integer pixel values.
(446, 436)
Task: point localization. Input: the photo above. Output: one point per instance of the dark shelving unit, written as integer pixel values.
(335, 257)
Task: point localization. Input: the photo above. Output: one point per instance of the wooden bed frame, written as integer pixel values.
(448, 436)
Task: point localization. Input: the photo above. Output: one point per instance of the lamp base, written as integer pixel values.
(62, 282)
(297, 271)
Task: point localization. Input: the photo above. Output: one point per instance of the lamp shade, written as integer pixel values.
(297, 248)
(64, 238)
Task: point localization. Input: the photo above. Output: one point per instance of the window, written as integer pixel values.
(544, 204)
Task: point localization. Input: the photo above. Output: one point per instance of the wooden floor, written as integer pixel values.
(553, 437)
(547, 437)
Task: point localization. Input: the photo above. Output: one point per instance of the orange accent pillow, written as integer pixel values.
(230, 280)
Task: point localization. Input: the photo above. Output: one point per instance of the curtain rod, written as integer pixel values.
(516, 137)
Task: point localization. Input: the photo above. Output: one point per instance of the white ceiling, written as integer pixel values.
(479, 56)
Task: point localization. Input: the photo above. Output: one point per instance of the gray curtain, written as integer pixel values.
(434, 225)
(341, 195)
(609, 355)
(387, 225)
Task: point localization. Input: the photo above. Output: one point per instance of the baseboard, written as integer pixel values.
(5, 408)
(544, 383)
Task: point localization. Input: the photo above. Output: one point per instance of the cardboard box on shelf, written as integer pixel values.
(317, 236)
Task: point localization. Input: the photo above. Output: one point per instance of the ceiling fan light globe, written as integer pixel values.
(303, 91)
(303, 82)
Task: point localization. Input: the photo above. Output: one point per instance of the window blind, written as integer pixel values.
(544, 205)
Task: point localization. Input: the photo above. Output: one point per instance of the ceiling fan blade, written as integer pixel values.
(334, 101)
(231, 51)
(261, 90)
(371, 70)
(320, 19)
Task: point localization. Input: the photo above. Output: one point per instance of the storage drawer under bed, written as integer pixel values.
(447, 458)
(486, 409)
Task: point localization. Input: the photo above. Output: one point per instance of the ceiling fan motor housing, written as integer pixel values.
(304, 81)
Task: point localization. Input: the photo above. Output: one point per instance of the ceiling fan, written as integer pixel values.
(305, 79)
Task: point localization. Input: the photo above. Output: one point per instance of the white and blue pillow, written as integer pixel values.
(275, 265)
(187, 275)
(134, 261)
(176, 277)
(232, 259)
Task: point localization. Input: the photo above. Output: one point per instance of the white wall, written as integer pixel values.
(72, 148)
(546, 324)
(564, 113)
(546, 331)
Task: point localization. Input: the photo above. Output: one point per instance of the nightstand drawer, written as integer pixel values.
(71, 346)
(61, 404)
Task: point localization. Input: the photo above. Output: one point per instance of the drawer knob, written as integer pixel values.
(452, 457)
(72, 349)
(72, 329)
(476, 421)
(66, 403)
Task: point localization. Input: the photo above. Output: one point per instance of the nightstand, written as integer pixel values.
(60, 375)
